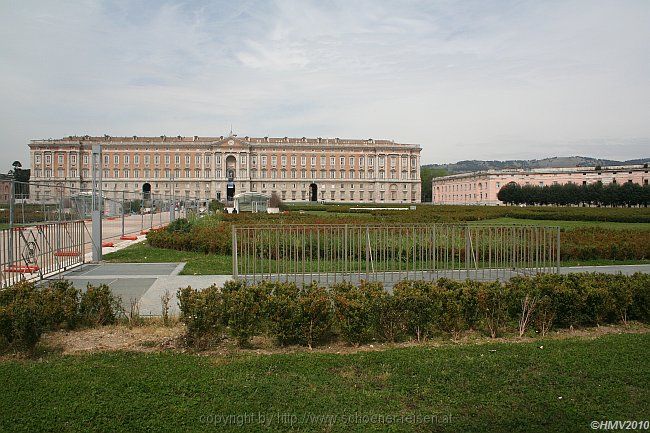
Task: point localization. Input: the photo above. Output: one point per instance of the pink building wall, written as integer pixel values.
(481, 188)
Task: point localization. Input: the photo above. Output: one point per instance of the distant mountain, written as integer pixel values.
(558, 161)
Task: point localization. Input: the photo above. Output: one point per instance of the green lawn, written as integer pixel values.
(214, 264)
(197, 263)
(567, 224)
(562, 387)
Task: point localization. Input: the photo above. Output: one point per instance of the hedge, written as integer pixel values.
(578, 244)
(27, 310)
(415, 310)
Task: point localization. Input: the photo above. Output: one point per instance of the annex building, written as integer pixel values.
(481, 188)
(298, 169)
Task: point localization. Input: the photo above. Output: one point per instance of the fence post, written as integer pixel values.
(11, 222)
(467, 250)
(97, 202)
(234, 253)
(122, 212)
(558, 250)
(345, 250)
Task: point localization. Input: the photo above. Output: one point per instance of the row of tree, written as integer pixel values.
(595, 194)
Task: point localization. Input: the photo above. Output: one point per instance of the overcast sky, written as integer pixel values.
(466, 80)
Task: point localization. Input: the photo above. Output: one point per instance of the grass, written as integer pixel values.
(488, 387)
(568, 225)
(215, 264)
(197, 263)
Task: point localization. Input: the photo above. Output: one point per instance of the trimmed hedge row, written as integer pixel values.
(415, 310)
(26, 311)
(578, 244)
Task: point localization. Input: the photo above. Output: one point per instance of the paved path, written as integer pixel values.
(144, 282)
(147, 282)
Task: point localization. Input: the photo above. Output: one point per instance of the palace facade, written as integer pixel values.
(481, 188)
(298, 169)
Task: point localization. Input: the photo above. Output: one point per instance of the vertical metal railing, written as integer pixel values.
(35, 252)
(345, 252)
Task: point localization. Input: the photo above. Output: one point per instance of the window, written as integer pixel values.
(284, 160)
(342, 161)
(303, 160)
(352, 161)
(332, 160)
(126, 159)
(85, 159)
(136, 159)
(313, 160)
(371, 161)
(253, 159)
(274, 160)
(107, 158)
(293, 160)
(207, 159)
(48, 159)
(116, 159)
(263, 159)
(197, 159)
(37, 158)
(242, 159)
(73, 159)
(60, 158)
(167, 159)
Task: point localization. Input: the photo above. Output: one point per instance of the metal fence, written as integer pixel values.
(37, 216)
(329, 254)
(34, 252)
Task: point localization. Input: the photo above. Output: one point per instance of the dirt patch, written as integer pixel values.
(155, 337)
(148, 338)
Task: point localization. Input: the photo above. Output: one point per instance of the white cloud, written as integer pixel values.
(464, 79)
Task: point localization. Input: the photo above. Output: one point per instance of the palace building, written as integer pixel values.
(481, 188)
(297, 169)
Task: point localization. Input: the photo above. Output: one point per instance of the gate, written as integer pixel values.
(328, 254)
(34, 252)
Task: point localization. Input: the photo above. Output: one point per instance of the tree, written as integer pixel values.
(427, 174)
(509, 193)
(21, 186)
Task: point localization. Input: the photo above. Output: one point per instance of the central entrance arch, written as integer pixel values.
(313, 192)
(146, 191)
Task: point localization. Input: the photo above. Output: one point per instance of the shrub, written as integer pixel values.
(356, 310)
(492, 303)
(202, 312)
(98, 306)
(417, 306)
(61, 305)
(450, 308)
(244, 308)
(391, 325)
(640, 308)
(21, 317)
(544, 314)
(315, 318)
(180, 225)
(283, 312)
